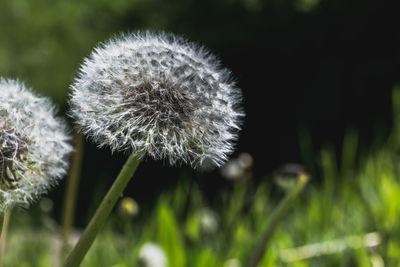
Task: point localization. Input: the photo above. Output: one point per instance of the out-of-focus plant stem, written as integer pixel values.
(3, 236)
(71, 192)
(276, 217)
(103, 211)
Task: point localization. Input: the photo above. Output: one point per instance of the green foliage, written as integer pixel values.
(168, 236)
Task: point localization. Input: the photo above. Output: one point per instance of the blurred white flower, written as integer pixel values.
(152, 255)
(232, 263)
(160, 95)
(208, 221)
(238, 169)
(232, 170)
(34, 145)
(245, 160)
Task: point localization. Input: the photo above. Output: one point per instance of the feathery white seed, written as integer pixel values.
(160, 95)
(33, 145)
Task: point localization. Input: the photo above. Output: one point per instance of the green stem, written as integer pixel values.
(276, 216)
(3, 236)
(102, 212)
(71, 191)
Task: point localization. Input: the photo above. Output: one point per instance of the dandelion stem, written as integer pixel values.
(3, 236)
(71, 191)
(98, 220)
(276, 216)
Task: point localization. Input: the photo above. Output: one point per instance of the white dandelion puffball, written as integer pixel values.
(33, 145)
(160, 95)
(152, 255)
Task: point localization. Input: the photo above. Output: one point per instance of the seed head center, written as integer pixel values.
(161, 103)
(12, 147)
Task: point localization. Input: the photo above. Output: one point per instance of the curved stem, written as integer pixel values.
(102, 212)
(71, 191)
(276, 216)
(3, 236)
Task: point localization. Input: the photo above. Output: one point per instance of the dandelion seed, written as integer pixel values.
(33, 145)
(158, 95)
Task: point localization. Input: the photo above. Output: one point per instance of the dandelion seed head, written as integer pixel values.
(33, 145)
(158, 95)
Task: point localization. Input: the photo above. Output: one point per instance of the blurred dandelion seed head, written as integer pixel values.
(33, 145)
(245, 160)
(158, 95)
(238, 169)
(152, 255)
(286, 177)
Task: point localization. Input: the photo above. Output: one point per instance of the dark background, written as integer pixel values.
(317, 67)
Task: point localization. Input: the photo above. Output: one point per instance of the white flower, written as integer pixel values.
(208, 221)
(159, 95)
(152, 255)
(33, 145)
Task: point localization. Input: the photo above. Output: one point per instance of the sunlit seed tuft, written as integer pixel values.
(158, 95)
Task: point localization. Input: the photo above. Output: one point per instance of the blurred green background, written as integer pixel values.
(317, 79)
